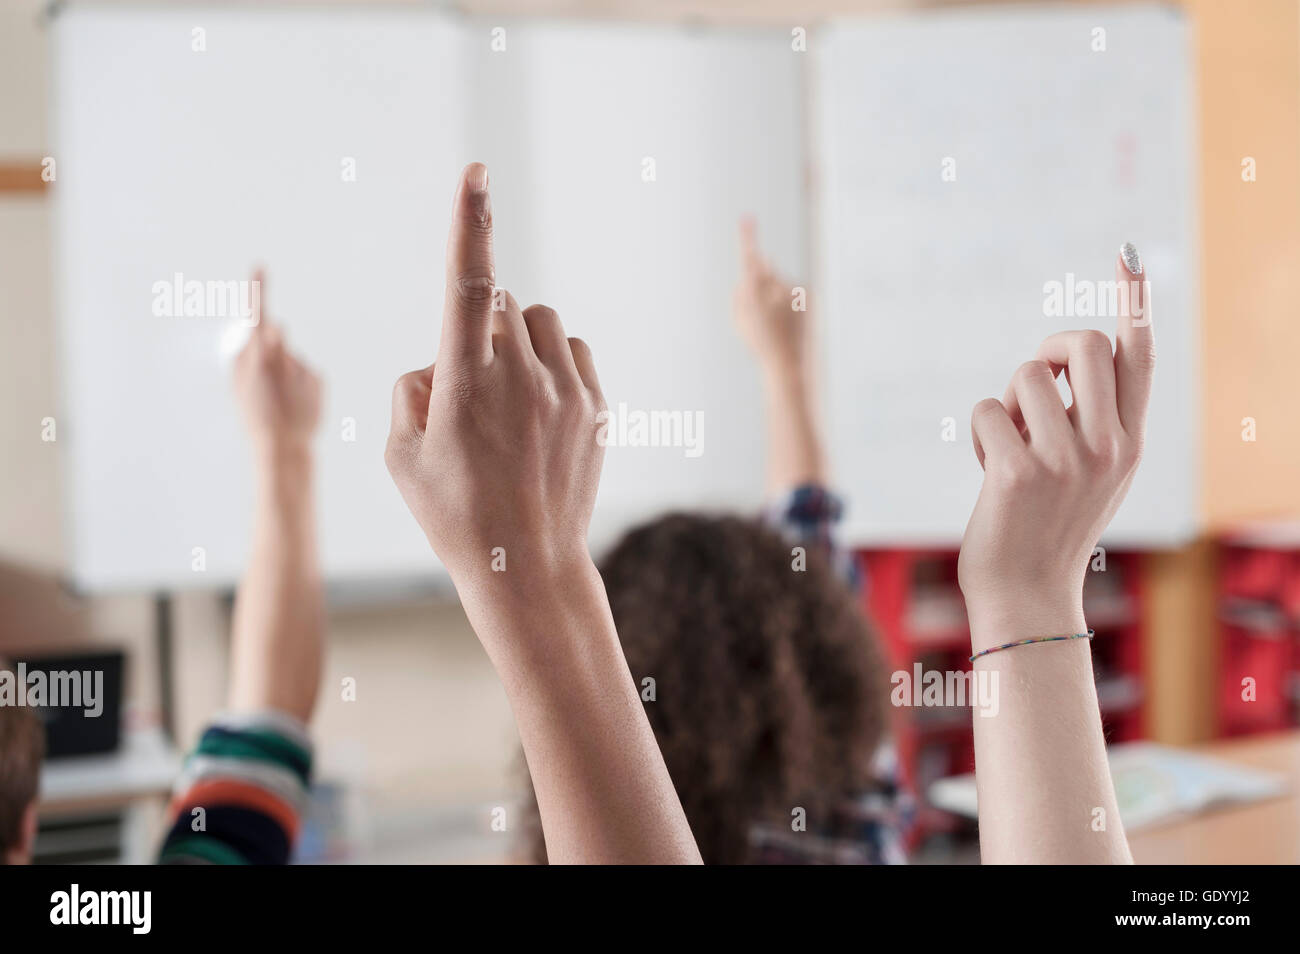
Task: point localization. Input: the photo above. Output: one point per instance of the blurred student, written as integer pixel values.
(241, 793)
(494, 450)
(769, 692)
(22, 747)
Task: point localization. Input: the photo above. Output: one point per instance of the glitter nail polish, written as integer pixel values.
(1132, 260)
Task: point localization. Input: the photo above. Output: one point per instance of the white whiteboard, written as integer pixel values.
(930, 292)
(203, 163)
(934, 290)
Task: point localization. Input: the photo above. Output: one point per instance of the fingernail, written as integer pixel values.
(1132, 260)
(480, 204)
(478, 177)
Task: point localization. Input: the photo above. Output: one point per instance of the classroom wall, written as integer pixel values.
(1248, 72)
(1249, 61)
(29, 478)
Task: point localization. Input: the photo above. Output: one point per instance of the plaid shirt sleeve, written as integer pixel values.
(807, 516)
(240, 796)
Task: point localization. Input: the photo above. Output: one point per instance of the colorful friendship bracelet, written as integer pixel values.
(1034, 639)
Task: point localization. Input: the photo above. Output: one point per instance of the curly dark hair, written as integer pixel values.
(767, 681)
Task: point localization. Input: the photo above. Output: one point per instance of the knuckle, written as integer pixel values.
(395, 456)
(404, 383)
(1016, 472)
(407, 385)
(986, 409)
(544, 390)
(1031, 370)
(1094, 343)
(475, 286)
(568, 386)
(576, 408)
(1106, 453)
(543, 313)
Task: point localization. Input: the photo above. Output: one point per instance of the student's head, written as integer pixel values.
(22, 746)
(766, 686)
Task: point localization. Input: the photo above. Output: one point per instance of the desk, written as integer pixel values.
(98, 808)
(145, 766)
(1259, 833)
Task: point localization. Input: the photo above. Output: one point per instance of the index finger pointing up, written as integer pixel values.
(471, 276)
(1134, 344)
(751, 258)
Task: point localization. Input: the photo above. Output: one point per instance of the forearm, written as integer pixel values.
(1045, 791)
(279, 613)
(795, 454)
(602, 788)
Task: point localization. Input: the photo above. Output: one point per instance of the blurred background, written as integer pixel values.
(1180, 131)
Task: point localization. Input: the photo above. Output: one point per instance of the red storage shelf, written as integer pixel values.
(1264, 656)
(1259, 629)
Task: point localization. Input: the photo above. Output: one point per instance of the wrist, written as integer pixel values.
(999, 619)
(515, 585)
(784, 377)
(282, 461)
(284, 481)
(788, 395)
(536, 620)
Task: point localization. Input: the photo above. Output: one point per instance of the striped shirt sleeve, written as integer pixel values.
(241, 793)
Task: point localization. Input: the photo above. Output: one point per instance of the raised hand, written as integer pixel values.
(494, 446)
(781, 340)
(763, 308)
(1054, 477)
(279, 395)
